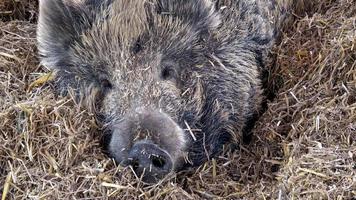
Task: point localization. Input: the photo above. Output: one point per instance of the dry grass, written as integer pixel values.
(304, 145)
(18, 9)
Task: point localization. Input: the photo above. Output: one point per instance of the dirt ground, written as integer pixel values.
(304, 146)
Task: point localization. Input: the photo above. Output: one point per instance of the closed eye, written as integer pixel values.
(105, 83)
(137, 47)
(167, 73)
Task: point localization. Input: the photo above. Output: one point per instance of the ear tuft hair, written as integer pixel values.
(60, 24)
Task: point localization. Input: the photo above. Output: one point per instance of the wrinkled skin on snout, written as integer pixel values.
(173, 81)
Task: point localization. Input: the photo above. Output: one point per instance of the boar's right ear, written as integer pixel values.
(59, 26)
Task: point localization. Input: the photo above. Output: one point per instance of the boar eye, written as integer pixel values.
(167, 73)
(106, 84)
(137, 47)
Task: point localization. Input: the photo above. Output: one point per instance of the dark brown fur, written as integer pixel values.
(164, 70)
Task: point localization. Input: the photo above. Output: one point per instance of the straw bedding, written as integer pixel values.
(304, 145)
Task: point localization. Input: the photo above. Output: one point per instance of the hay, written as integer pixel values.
(303, 148)
(18, 10)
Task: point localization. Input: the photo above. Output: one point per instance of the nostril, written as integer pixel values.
(149, 161)
(157, 161)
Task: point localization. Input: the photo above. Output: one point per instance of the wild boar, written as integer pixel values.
(173, 80)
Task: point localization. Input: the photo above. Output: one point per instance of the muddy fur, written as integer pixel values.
(198, 63)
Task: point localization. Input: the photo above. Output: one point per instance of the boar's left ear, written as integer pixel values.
(201, 14)
(59, 26)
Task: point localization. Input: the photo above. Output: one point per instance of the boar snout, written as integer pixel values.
(149, 161)
(150, 141)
